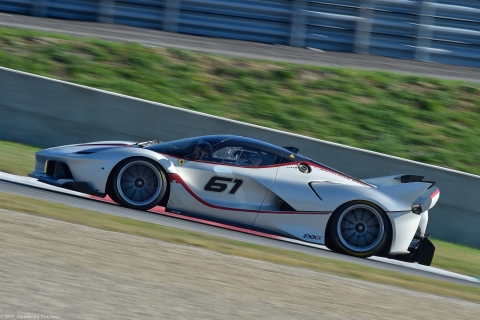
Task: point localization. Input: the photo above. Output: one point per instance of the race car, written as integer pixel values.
(254, 184)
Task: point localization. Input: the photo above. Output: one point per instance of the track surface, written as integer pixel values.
(28, 187)
(50, 267)
(240, 48)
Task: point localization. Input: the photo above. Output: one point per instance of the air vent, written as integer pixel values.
(58, 170)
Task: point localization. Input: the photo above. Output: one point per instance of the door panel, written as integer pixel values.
(224, 191)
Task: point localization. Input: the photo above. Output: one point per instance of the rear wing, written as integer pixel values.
(396, 179)
(406, 178)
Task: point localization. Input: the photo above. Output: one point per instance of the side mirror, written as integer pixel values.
(202, 147)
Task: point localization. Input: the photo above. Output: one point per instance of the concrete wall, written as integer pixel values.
(44, 112)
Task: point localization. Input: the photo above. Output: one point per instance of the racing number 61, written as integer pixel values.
(215, 186)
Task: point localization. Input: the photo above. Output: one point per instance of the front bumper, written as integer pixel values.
(58, 174)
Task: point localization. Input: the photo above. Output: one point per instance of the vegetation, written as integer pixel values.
(17, 158)
(424, 119)
(233, 247)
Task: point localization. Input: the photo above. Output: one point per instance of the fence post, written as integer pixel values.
(364, 27)
(170, 16)
(106, 11)
(39, 8)
(424, 35)
(298, 24)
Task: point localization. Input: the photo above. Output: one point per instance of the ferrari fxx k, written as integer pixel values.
(255, 184)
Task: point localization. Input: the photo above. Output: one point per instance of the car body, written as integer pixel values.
(255, 184)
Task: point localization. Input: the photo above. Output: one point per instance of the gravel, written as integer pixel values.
(76, 272)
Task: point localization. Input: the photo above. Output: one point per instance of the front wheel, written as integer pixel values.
(359, 229)
(138, 183)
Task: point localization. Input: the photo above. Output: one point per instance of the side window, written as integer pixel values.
(243, 156)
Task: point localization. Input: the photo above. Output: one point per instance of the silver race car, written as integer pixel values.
(254, 184)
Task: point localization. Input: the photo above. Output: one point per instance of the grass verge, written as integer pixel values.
(17, 158)
(232, 247)
(419, 118)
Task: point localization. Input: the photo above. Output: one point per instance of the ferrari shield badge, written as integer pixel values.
(181, 162)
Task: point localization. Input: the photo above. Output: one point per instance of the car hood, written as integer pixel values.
(87, 148)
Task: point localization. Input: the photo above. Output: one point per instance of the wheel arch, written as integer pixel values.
(160, 161)
(388, 242)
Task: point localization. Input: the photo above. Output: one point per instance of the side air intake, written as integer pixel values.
(58, 170)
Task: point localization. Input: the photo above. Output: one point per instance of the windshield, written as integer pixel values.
(183, 147)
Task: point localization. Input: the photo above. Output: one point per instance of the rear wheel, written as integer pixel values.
(359, 229)
(138, 183)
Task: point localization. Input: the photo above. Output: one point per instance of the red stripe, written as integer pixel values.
(161, 210)
(176, 177)
(106, 199)
(103, 144)
(281, 165)
(224, 164)
(338, 173)
(435, 193)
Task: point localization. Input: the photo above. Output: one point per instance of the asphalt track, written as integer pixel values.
(237, 48)
(31, 188)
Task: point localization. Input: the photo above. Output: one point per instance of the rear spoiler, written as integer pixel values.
(406, 178)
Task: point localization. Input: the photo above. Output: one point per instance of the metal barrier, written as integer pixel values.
(445, 31)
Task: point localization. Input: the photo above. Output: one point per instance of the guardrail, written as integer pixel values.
(445, 31)
(46, 112)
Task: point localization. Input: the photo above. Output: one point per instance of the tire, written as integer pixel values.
(359, 229)
(138, 183)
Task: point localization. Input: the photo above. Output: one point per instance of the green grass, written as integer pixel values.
(232, 247)
(419, 118)
(19, 159)
(456, 258)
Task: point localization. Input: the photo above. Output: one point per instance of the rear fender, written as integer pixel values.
(426, 200)
(384, 181)
(404, 194)
(398, 197)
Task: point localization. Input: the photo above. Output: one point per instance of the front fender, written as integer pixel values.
(96, 168)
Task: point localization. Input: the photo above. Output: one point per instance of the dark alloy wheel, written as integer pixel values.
(138, 183)
(359, 229)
